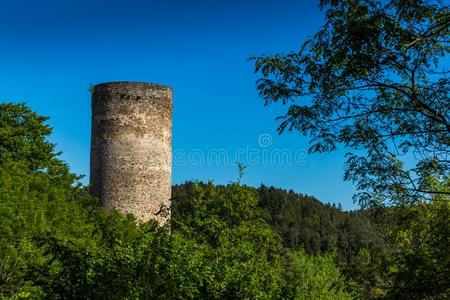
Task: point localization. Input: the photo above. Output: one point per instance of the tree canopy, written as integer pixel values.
(57, 242)
(374, 79)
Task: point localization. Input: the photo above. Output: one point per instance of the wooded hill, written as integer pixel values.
(303, 221)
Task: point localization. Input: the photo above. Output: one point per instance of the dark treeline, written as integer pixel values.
(304, 222)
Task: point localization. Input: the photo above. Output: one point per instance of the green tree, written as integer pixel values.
(303, 222)
(241, 171)
(374, 79)
(317, 277)
(23, 139)
(420, 260)
(417, 264)
(242, 256)
(57, 242)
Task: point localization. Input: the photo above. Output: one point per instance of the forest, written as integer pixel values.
(373, 80)
(233, 241)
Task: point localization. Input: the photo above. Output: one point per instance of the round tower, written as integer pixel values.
(131, 148)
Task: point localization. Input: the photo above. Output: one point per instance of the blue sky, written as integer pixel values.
(51, 51)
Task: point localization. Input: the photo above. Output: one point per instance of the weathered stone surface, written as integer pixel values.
(131, 148)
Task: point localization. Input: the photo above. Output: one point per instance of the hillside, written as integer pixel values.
(302, 221)
(223, 241)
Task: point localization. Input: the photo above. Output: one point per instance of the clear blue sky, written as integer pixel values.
(51, 51)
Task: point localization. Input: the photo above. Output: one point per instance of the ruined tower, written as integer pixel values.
(131, 148)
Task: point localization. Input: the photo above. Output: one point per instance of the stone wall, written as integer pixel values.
(131, 148)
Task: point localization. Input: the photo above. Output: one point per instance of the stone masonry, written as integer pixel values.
(131, 148)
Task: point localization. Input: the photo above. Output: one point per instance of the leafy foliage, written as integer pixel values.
(225, 241)
(302, 221)
(313, 278)
(58, 243)
(420, 262)
(416, 265)
(243, 254)
(228, 217)
(374, 79)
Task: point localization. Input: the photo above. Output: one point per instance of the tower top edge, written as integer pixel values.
(132, 85)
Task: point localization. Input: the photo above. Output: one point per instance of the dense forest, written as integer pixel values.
(230, 241)
(304, 222)
(58, 242)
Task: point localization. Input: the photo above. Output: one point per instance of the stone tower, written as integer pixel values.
(131, 148)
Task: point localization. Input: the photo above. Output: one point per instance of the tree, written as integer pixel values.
(417, 264)
(420, 262)
(241, 254)
(303, 222)
(241, 171)
(57, 242)
(55, 239)
(373, 79)
(317, 277)
(24, 140)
